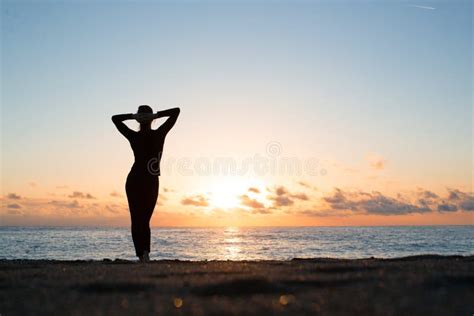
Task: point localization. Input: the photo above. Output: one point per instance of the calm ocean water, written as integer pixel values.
(237, 243)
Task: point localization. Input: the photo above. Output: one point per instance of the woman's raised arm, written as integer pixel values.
(123, 129)
(169, 123)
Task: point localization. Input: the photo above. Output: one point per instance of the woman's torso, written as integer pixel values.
(147, 148)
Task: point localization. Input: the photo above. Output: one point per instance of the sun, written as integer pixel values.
(224, 199)
(225, 192)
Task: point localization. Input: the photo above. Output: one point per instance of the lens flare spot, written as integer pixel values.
(177, 302)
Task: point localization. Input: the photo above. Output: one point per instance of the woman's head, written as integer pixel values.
(145, 109)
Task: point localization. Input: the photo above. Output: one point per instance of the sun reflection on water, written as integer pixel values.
(232, 249)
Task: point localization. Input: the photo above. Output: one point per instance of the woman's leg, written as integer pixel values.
(134, 189)
(136, 229)
(142, 193)
(151, 201)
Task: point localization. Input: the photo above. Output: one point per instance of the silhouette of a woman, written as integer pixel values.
(142, 183)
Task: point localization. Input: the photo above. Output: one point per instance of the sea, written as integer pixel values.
(234, 243)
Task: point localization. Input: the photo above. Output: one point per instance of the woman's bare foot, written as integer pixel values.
(145, 257)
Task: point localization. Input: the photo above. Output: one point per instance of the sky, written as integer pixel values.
(293, 113)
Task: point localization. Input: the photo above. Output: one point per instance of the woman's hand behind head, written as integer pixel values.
(144, 117)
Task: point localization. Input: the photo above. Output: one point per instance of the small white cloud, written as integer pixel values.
(422, 7)
(116, 194)
(376, 161)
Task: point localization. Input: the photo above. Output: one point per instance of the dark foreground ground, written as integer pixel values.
(422, 285)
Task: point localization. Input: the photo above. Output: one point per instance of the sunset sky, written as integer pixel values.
(293, 113)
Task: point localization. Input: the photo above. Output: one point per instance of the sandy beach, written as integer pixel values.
(419, 285)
